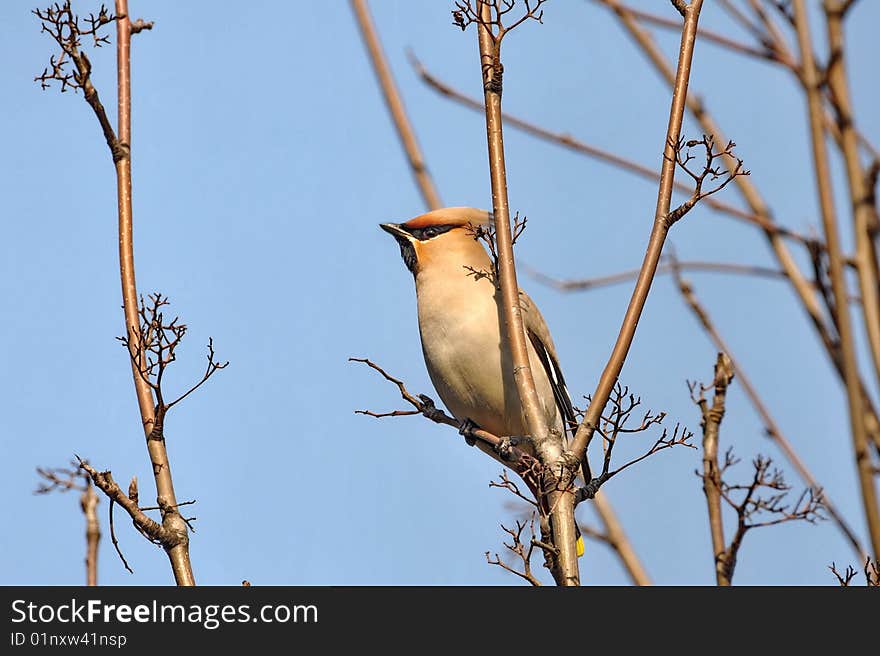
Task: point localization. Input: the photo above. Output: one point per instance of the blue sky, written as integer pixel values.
(263, 160)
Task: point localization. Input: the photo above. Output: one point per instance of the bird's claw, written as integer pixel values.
(430, 410)
(588, 491)
(466, 430)
(506, 445)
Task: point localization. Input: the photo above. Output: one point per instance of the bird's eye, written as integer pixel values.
(431, 231)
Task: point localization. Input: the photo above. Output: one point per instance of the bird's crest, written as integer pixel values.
(456, 216)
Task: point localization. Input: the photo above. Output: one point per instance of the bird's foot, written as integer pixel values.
(430, 410)
(589, 490)
(466, 430)
(505, 447)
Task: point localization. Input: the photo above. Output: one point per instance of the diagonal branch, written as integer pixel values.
(849, 364)
(578, 146)
(659, 231)
(395, 105)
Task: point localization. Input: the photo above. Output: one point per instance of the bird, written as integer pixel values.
(460, 326)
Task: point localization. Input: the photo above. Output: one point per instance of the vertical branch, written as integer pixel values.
(711, 424)
(395, 105)
(862, 208)
(838, 281)
(178, 551)
(659, 231)
(89, 504)
(771, 428)
(557, 480)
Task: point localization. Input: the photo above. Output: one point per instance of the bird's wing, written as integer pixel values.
(539, 335)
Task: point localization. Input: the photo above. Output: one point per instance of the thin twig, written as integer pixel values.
(116, 541)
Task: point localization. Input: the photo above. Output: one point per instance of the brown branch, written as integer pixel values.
(659, 231)
(767, 52)
(115, 540)
(519, 549)
(845, 578)
(862, 207)
(89, 504)
(711, 424)
(154, 531)
(567, 141)
(697, 108)
(587, 284)
(505, 483)
(395, 105)
(849, 363)
(709, 171)
(558, 476)
(808, 506)
(804, 290)
(872, 573)
(140, 25)
(176, 544)
(614, 422)
(67, 29)
(501, 448)
(771, 427)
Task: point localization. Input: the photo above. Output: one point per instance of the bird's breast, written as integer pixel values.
(461, 342)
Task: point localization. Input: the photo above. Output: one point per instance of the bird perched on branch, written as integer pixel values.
(460, 326)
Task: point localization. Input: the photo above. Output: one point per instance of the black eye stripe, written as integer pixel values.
(428, 232)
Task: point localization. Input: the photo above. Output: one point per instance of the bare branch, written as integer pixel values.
(115, 541)
(63, 479)
(568, 141)
(517, 548)
(659, 231)
(153, 348)
(847, 576)
(395, 106)
(140, 25)
(682, 155)
(771, 427)
(711, 475)
(66, 29)
(666, 267)
(501, 447)
(614, 422)
(505, 483)
(848, 358)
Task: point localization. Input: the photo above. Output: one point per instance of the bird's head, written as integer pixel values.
(444, 235)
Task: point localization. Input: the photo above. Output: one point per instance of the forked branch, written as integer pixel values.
(616, 421)
(710, 170)
(522, 550)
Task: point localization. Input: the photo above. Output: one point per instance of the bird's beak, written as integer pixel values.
(395, 230)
